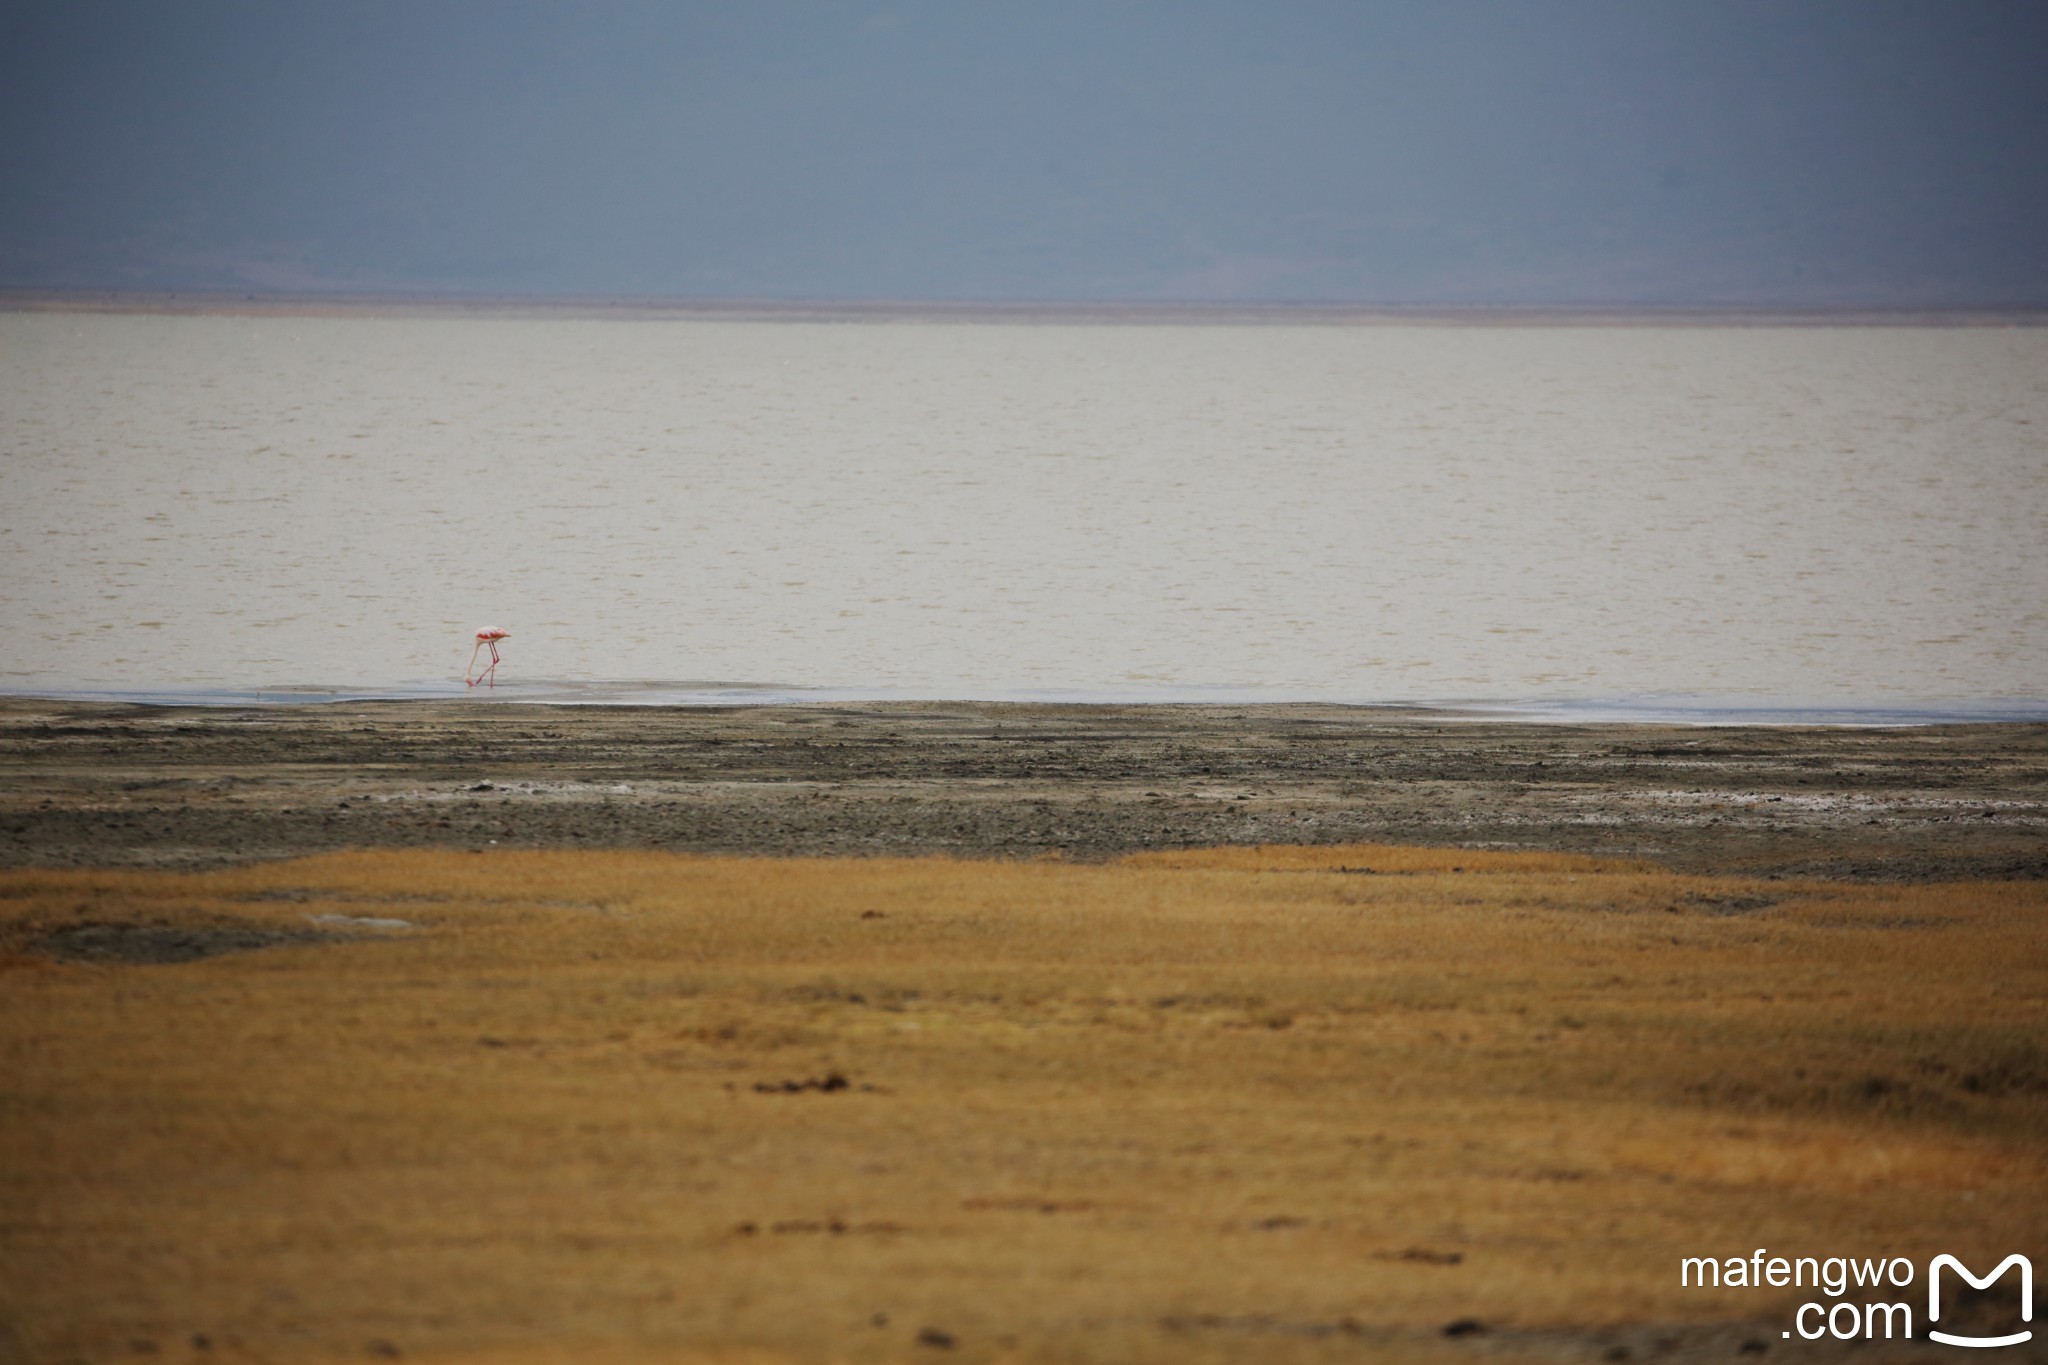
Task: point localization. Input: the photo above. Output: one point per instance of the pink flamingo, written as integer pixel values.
(488, 635)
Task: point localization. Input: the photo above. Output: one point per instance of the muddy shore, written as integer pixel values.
(91, 783)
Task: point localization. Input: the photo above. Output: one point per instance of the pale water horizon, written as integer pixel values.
(1742, 520)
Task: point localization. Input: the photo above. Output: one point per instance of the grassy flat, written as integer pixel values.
(1272, 1103)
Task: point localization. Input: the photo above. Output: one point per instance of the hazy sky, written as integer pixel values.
(1793, 151)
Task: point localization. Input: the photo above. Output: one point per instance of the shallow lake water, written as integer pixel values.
(1739, 516)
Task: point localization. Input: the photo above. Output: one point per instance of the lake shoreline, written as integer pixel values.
(100, 784)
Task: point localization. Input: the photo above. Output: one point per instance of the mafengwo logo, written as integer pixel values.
(1934, 1269)
(1851, 1320)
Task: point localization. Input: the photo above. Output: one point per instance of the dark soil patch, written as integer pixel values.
(1731, 904)
(826, 1085)
(155, 944)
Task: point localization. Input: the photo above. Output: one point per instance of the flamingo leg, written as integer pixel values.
(492, 671)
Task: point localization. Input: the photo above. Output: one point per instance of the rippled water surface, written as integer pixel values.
(975, 508)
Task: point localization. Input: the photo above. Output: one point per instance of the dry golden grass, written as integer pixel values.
(1230, 1104)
